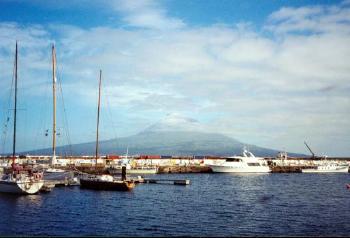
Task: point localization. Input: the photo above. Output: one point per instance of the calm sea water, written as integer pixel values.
(213, 205)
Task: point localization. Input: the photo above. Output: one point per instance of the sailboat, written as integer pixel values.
(104, 181)
(19, 181)
(53, 161)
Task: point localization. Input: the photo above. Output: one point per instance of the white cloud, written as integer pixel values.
(274, 91)
(146, 14)
(315, 19)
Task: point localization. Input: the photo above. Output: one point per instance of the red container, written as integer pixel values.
(112, 157)
(154, 157)
(143, 156)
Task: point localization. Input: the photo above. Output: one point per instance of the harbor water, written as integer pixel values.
(212, 205)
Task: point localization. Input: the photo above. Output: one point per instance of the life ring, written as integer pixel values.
(37, 176)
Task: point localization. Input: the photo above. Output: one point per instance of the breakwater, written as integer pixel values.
(167, 164)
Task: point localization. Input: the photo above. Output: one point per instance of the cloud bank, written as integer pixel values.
(275, 87)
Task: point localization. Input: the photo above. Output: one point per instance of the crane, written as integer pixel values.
(313, 154)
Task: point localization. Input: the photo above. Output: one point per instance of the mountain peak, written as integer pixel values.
(175, 122)
(175, 118)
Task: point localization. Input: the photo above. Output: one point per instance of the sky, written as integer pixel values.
(269, 73)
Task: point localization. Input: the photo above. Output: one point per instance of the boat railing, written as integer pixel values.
(247, 153)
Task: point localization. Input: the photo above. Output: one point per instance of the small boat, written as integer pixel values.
(19, 180)
(132, 168)
(54, 170)
(328, 168)
(247, 163)
(46, 188)
(105, 181)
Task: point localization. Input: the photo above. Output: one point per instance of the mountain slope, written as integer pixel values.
(173, 135)
(165, 143)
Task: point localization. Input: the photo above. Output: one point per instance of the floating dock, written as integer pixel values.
(184, 169)
(164, 181)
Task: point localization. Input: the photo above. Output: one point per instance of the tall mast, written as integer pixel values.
(98, 116)
(54, 104)
(15, 111)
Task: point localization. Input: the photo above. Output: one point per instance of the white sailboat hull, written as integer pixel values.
(20, 187)
(239, 169)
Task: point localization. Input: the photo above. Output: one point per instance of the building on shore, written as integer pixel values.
(156, 160)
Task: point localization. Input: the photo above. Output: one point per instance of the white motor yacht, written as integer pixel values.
(247, 163)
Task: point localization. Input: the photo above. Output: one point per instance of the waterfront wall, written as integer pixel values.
(154, 160)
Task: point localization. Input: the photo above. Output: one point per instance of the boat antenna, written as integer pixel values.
(98, 115)
(15, 111)
(54, 105)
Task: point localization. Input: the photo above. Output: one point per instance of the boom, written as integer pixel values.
(313, 154)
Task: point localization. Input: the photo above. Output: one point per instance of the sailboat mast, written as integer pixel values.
(15, 110)
(54, 102)
(98, 115)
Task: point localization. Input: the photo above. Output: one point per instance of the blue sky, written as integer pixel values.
(270, 73)
(99, 13)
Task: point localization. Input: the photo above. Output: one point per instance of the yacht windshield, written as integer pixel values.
(253, 164)
(233, 160)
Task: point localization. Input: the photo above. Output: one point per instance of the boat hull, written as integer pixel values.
(21, 187)
(344, 169)
(106, 185)
(53, 170)
(231, 169)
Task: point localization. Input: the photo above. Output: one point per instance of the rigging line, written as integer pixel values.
(65, 120)
(115, 142)
(25, 130)
(7, 116)
(42, 127)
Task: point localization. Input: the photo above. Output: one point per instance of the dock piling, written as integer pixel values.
(123, 173)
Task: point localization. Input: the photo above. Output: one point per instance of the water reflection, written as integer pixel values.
(34, 200)
(213, 205)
